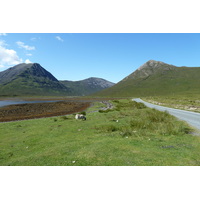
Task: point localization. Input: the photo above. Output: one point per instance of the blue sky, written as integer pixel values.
(112, 56)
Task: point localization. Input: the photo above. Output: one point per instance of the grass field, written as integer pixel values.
(183, 102)
(128, 135)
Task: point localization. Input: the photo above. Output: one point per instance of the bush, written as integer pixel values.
(139, 124)
(105, 111)
(107, 128)
(130, 104)
(64, 117)
(158, 116)
(83, 113)
(139, 105)
(126, 134)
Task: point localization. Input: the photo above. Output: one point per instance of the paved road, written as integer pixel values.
(191, 118)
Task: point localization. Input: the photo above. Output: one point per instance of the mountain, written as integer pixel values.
(30, 79)
(87, 86)
(157, 78)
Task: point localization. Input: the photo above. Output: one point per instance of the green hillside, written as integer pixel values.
(157, 78)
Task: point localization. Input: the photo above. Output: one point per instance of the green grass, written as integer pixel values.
(130, 135)
(183, 102)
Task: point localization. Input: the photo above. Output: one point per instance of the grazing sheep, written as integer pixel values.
(80, 116)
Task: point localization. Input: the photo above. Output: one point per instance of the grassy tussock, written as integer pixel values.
(135, 119)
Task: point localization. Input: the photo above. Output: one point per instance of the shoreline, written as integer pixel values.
(20, 112)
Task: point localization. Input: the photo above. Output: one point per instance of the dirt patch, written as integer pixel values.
(39, 110)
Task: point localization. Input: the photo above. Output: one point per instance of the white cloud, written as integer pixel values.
(4, 34)
(33, 39)
(29, 54)
(27, 61)
(26, 47)
(8, 56)
(59, 38)
(2, 43)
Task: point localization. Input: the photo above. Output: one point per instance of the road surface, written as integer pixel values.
(191, 118)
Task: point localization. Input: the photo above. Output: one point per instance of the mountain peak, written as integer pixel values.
(149, 68)
(157, 78)
(88, 86)
(98, 82)
(31, 79)
(152, 64)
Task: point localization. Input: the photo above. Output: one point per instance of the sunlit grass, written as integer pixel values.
(131, 134)
(187, 102)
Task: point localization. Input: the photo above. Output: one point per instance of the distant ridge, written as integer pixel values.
(87, 86)
(157, 78)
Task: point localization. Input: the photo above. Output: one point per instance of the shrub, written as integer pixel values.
(107, 128)
(139, 105)
(158, 116)
(83, 113)
(139, 124)
(126, 133)
(130, 104)
(64, 117)
(105, 111)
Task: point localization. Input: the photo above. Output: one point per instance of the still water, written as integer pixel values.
(9, 102)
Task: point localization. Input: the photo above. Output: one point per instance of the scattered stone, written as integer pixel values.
(193, 133)
(10, 154)
(165, 147)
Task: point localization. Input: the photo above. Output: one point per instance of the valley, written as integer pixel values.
(126, 133)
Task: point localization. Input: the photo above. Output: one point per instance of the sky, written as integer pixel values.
(112, 56)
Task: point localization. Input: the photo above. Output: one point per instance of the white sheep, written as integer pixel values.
(80, 116)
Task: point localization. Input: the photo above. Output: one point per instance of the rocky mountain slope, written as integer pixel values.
(32, 79)
(87, 86)
(157, 78)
